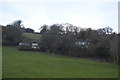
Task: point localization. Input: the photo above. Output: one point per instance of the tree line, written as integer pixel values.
(66, 39)
(13, 32)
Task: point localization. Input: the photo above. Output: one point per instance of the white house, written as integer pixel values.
(82, 43)
(35, 45)
(29, 44)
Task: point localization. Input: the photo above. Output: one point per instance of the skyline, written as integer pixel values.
(85, 14)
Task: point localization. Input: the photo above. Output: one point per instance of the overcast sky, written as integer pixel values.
(82, 13)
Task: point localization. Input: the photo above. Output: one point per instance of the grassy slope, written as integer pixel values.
(32, 35)
(25, 64)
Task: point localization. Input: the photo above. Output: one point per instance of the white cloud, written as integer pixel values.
(35, 15)
(32, 16)
(36, 21)
(86, 22)
(59, 0)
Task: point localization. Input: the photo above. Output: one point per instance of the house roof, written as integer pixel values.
(28, 40)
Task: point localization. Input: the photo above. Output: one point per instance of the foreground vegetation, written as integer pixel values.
(67, 39)
(26, 64)
(70, 40)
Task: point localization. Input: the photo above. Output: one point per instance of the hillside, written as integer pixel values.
(32, 35)
(26, 64)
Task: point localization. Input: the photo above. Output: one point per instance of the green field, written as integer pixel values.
(32, 35)
(26, 64)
